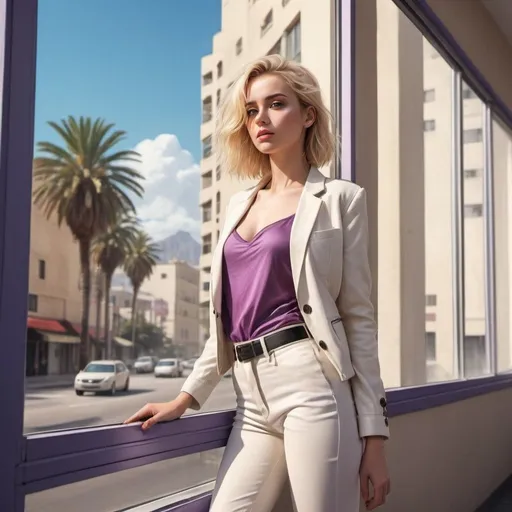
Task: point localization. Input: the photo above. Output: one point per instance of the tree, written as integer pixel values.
(85, 183)
(139, 266)
(148, 334)
(110, 249)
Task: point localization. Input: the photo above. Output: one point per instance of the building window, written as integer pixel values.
(207, 146)
(207, 211)
(218, 97)
(429, 95)
(467, 92)
(276, 49)
(217, 173)
(207, 78)
(472, 173)
(473, 210)
(206, 286)
(284, 2)
(217, 203)
(207, 244)
(429, 125)
(473, 135)
(430, 300)
(219, 69)
(207, 109)
(430, 346)
(238, 47)
(163, 276)
(42, 269)
(32, 302)
(293, 44)
(267, 22)
(206, 180)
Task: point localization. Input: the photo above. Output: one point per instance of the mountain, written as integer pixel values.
(181, 246)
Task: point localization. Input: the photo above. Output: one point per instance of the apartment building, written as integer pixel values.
(296, 29)
(176, 283)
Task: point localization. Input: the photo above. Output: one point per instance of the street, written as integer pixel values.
(53, 409)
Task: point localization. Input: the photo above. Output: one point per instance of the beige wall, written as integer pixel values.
(58, 294)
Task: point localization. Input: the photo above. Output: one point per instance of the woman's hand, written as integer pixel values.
(374, 469)
(163, 411)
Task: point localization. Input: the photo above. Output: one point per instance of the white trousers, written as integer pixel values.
(295, 420)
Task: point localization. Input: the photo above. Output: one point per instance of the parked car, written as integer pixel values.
(144, 364)
(189, 363)
(168, 368)
(103, 377)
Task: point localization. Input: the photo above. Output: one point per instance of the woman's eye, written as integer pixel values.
(251, 112)
(277, 104)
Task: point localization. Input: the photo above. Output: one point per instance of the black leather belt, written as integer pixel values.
(245, 351)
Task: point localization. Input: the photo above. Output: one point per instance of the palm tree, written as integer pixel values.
(110, 250)
(86, 183)
(138, 267)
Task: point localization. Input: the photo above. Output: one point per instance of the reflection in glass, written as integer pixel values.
(502, 173)
(474, 341)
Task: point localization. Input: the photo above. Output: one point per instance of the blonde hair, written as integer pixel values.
(234, 148)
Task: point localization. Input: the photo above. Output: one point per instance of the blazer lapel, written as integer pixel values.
(305, 217)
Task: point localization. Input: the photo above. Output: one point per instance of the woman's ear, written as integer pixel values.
(310, 117)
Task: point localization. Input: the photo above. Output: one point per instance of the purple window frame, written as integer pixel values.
(43, 461)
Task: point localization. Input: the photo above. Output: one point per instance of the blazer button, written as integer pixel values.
(322, 344)
(307, 309)
(383, 402)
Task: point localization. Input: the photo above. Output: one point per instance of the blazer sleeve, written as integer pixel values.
(204, 376)
(356, 311)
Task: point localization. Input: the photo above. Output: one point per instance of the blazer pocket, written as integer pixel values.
(321, 246)
(325, 233)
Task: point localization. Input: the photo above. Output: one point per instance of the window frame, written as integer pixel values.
(42, 461)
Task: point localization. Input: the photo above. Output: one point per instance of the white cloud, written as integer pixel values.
(172, 182)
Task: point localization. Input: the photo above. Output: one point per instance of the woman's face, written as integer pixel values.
(276, 121)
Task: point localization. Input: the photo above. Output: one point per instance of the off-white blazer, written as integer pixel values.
(331, 274)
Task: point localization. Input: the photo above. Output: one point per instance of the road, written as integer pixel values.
(53, 409)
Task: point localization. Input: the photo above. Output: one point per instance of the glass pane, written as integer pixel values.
(502, 160)
(475, 351)
(137, 485)
(415, 205)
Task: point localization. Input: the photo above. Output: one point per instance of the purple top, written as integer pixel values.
(258, 294)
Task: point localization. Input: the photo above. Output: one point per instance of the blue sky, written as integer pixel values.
(136, 63)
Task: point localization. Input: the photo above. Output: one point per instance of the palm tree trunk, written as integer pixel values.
(99, 294)
(108, 338)
(85, 247)
(134, 319)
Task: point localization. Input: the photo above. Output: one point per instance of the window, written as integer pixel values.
(267, 22)
(207, 244)
(276, 49)
(206, 180)
(218, 97)
(217, 173)
(472, 173)
(163, 276)
(472, 135)
(429, 95)
(219, 69)
(207, 109)
(42, 269)
(429, 125)
(430, 346)
(32, 302)
(293, 42)
(217, 203)
(207, 211)
(284, 2)
(473, 210)
(238, 47)
(207, 146)
(206, 286)
(468, 93)
(430, 300)
(207, 78)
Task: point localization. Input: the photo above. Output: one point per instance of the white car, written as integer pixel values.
(168, 368)
(144, 364)
(103, 377)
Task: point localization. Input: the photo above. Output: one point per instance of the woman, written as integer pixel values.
(291, 311)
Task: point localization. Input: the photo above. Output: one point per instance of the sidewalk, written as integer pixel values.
(49, 382)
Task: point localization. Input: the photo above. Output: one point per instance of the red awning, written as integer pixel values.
(92, 330)
(45, 324)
